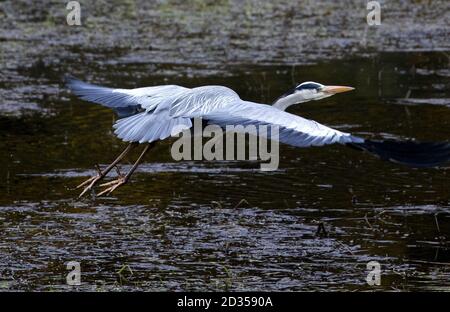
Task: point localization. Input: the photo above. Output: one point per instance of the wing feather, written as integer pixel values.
(293, 130)
(149, 127)
(124, 101)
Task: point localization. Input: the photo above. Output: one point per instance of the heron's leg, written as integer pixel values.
(101, 174)
(121, 180)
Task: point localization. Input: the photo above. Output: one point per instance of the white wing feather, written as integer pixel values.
(293, 130)
(147, 98)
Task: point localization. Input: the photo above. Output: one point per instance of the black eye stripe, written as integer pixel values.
(311, 86)
(303, 86)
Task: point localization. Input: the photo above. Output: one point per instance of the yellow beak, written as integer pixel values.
(336, 89)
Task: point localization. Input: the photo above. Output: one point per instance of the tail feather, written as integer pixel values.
(410, 153)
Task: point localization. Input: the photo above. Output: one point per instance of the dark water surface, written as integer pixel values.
(222, 225)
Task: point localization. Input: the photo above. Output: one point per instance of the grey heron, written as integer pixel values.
(150, 114)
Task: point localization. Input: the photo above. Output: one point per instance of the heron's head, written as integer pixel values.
(308, 91)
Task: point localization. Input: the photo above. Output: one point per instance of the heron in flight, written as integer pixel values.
(151, 114)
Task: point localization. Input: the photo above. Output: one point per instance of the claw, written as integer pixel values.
(86, 182)
(114, 184)
(120, 176)
(109, 183)
(99, 171)
(93, 180)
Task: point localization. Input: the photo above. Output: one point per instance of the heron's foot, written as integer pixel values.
(86, 182)
(121, 180)
(91, 181)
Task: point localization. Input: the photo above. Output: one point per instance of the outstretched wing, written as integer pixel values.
(124, 101)
(293, 130)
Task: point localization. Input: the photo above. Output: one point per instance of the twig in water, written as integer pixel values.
(121, 276)
(345, 246)
(321, 231)
(216, 204)
(367, 221)
(243, 201)
(437, 223)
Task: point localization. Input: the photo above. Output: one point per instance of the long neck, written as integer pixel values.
(284, 102)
